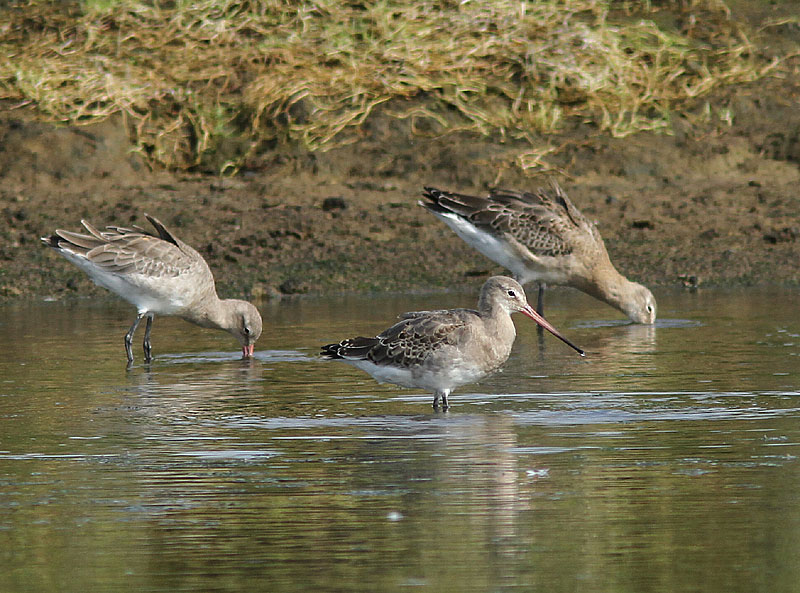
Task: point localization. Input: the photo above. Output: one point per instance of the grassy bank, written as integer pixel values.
(210, 84)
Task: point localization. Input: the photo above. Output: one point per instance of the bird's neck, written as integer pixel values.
(608, 285)
(212, 314)
(500, 329)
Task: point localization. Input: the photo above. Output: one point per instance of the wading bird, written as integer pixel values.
(159, 275)
(541, 237)
(442, 350)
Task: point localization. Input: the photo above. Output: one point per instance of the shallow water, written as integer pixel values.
(666, 460)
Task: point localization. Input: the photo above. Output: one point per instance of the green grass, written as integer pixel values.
(196, 80)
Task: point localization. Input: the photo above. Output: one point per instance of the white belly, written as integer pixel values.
(420, 377)
(524, 265)
(155, 294)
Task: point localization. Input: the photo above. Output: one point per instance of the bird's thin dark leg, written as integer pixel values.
(146, 344)
(440, 394)
(129, 337)
(540, 300)
(540, 310)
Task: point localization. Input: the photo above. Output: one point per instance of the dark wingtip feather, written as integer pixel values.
(51, 241)
(433, 194)
(163, 233)
(433, 203)
(430, 198)
(431, 191)
(331, 351)
(353, 348)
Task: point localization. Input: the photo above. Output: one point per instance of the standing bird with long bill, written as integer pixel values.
(441, 350)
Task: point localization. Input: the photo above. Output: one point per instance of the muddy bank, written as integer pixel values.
(714, 202)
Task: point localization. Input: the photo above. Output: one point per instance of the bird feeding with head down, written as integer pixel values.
(159, 275)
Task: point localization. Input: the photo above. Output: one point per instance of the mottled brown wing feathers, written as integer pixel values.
(112, 259)
(407, 343)
(555, 201)
(124, 250)
(541, 221)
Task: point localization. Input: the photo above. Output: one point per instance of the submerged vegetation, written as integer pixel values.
(211, 83)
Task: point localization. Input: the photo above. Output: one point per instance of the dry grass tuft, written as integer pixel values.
(210, 83)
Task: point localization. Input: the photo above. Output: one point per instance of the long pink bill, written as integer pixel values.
(531, 312)
(247, 350)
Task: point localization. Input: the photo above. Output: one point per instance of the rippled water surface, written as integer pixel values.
(666, 460)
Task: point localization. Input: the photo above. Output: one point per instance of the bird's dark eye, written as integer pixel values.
(512, 294)
(246, 330)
